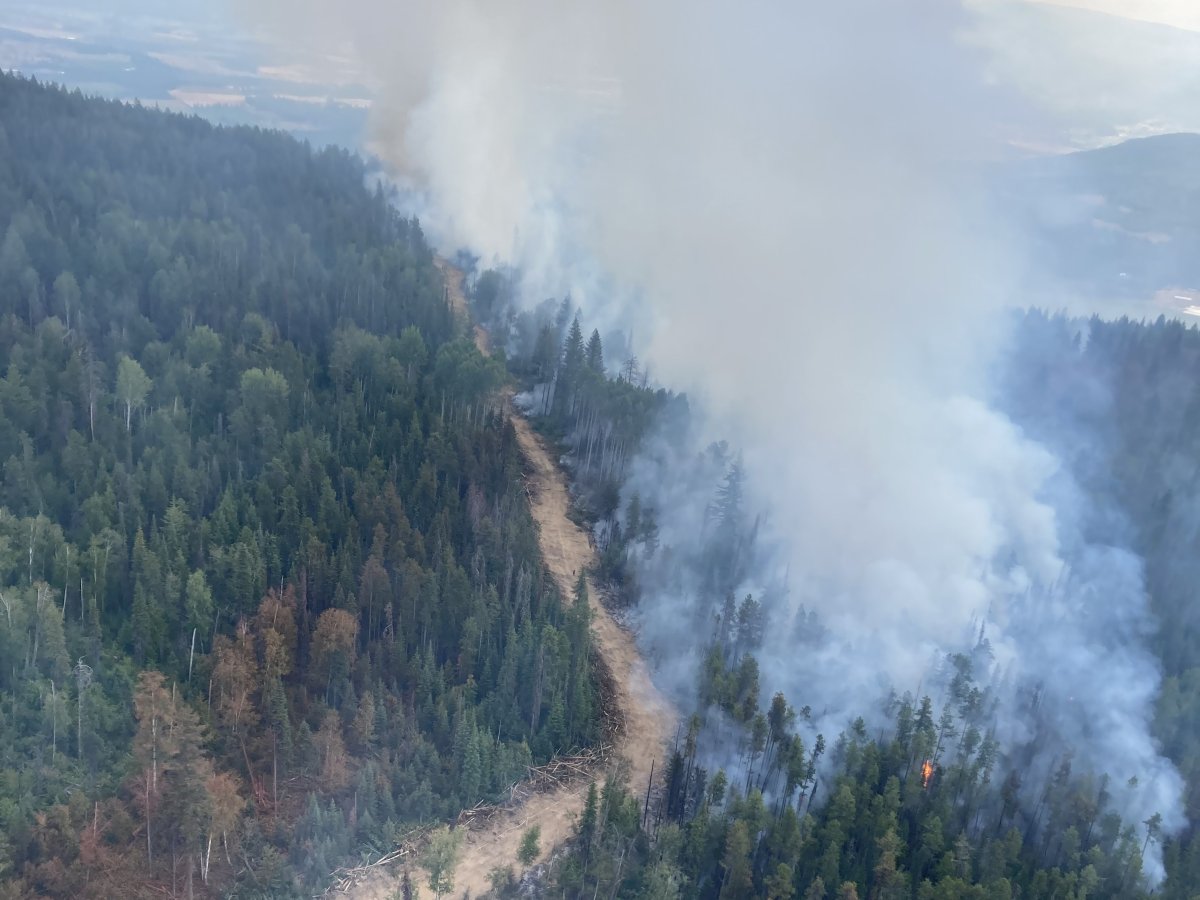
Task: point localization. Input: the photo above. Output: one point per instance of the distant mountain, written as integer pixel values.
(1122, 221)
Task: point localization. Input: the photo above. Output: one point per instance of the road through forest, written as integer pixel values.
(648, 719)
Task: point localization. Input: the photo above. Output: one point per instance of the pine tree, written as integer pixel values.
(571, 370)
(595, 353)
(779, 884)
(545, 351)
(737, 881)
(588, 820)
(441, 859)
(530, 847)
(148, 619)
(173, 768)
(885, 879)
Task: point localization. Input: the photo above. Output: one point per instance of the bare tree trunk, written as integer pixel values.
(53, 723)
(537, 691)
(66, 583)
(149, 845)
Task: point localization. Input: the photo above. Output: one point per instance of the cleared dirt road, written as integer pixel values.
(648, 719)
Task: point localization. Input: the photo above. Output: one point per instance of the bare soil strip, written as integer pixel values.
(457, 300)
(647, 721)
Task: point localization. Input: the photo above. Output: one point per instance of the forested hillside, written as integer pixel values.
(1118, 221)
(1119, 401)
(930, 805)
(271, 594)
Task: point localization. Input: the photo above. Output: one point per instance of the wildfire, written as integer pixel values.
(926, 773)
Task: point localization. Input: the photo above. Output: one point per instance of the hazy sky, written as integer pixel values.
(1179, 13)
(1097, 70)
(1102, 70)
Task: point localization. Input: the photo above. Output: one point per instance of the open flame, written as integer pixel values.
(926, 773)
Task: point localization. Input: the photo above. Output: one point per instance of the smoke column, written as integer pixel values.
(778, 194)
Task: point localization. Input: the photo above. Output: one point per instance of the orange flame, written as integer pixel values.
(926, 773)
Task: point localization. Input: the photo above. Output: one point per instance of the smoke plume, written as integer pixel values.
(778, 198)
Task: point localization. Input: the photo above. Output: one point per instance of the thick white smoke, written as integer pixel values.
(779, 193)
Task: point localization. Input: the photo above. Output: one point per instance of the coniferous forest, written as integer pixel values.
(271, 591)
(922, 808)
(271, 595)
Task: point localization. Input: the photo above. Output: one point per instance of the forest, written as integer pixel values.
(272, 596)
(271, 591)
(923, 809)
